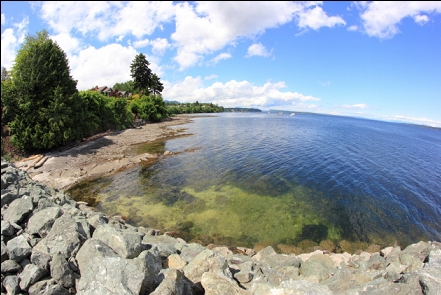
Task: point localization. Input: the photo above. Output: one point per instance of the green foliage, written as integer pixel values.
(141, 73)
(192, 108)
(41, 97)
(157, 86)
(149, 108)
(128, 86)
(101, 113)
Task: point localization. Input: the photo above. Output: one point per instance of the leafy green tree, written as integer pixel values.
(141, 73)
(42, 95)
(128, 86)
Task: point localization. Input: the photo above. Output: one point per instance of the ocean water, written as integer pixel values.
(250, 178)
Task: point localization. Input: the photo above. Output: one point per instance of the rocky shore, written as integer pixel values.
(53, 245)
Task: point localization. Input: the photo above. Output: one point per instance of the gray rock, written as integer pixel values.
(8, 195)
(125, 243)
(83, 227)
(44, 203)
(40, 258)
(7, 229)
(264, 254)
(164, 243)
(206, 261)
(190, 251)
(314, 268)
(435, 258)
(30, 275)
(63, 238)
(61, 272)
(19, 209)
(217, 284)
(376, 262)
(174, 283)
(96, 219)
(10, 266)
(430, 280)
(104, 272)
(41, 222)
(419, 250)
(40, 287)
(56, 290)
(4, 251)
(11, 284)
(18, 248)
(412, 262)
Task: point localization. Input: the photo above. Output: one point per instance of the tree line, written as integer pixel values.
(42, 108)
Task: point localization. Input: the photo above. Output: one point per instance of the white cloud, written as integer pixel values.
(119, 38)
(234, 93)
(210, 77)
(353, 28)
(257, 49)
(316, 18)
(220, 57)
(3, 19)
(112, 62)
(355, 106)
(328, 83)
(11, 40)
(195, 25)
(421, 19)
(106, 19)
(141, 43)
(68, 44)
(160, 45)
(381, 18)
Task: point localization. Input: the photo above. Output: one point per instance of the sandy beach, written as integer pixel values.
(100, 156)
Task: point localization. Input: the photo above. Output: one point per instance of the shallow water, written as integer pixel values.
(264, 178)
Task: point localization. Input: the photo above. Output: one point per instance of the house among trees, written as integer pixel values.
(107, 91)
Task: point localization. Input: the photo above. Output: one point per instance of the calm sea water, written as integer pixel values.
(257, 177)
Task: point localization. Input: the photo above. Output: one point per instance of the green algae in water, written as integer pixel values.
(239, 217)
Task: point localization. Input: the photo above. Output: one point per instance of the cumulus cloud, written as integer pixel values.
(3, 19)
(315, 18)
(68, 44)
(112, 62)
(106, 19)
(381, 18)
(257, 49)
(234, 93)
(11, 40)
(160, 45)
(141, 43)
(231, 21)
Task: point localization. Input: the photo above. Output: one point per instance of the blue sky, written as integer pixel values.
(379, 60)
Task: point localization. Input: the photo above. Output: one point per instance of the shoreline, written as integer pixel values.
(62, 168)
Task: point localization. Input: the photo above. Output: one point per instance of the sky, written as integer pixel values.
(378, 60)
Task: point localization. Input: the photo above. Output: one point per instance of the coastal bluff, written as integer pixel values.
(53, 245)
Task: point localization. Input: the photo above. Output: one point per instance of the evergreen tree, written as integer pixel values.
(157, 86)
(141, 74)
(45, 96)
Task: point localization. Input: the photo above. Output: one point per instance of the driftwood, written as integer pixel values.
(31, 157)
(35, 162)
(41, 162)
